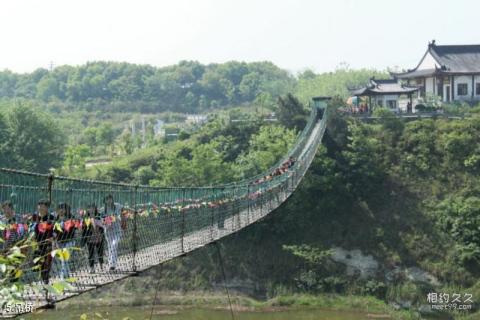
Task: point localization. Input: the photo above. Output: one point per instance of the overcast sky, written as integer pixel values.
(294, 34)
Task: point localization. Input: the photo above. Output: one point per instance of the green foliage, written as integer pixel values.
(460, 217)
(220, 151)
(110, 86)
(47, 88)
(383, 113)
(406, 291)
(15, 264)
(90, 136)
(418, 147)
(459, 108)
(4, 138)
(333, 83)
(362, 154)
(266, 147)
(205, 167)
(424, 108)
(105, 134)
(375, 288)
(265, 100)
(75, 158)
(126, 142)
(32, 140)
(306, 252)
(291, 113)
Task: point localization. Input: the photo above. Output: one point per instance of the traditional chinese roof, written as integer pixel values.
(383, 87)
(461, 59)
(414, 73)
(450, 59)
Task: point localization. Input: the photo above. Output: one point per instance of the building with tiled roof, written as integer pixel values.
(450, 72)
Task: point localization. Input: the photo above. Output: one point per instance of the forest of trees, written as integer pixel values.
(185, 87)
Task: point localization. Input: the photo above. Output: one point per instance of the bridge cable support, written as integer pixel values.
(224, 278)
(135, 235)
(156, 291)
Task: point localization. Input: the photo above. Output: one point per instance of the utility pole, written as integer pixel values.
(144, 143)
(133, 128)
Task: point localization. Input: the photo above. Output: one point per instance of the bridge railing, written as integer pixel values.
(298, 145)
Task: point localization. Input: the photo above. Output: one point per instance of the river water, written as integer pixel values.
(164, 313)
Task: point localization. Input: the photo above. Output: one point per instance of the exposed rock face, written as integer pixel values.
(367, 267)
(356, 262)
(418, 275)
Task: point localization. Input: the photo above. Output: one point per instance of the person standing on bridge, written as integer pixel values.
(65, 233)
(13, 231)
(93, 235)
(115, 222)
(42, 228)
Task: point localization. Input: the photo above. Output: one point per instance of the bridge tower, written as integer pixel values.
(321, 104)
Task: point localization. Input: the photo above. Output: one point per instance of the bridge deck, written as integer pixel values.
(155, 255)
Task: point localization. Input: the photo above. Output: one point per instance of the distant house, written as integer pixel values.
(196, 118)
(450, 72)
(385, 93)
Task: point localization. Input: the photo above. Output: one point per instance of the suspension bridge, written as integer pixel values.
(160, 223)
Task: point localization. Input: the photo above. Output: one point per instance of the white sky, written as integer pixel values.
(292, 34)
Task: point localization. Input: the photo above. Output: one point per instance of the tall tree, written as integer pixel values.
(106, 135)
(4, 139)
(35, 140)
(291, 113)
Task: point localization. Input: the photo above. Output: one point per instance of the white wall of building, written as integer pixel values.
(428, 62)
(429, 83)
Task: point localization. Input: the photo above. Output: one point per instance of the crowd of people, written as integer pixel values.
(100, 230)
(361, 108)
(94, 228)
(283, 168)
(364, 108)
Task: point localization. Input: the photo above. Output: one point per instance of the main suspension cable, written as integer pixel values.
(224, 279)
(156, 291)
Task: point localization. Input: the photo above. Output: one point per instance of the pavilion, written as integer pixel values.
(385, 93)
